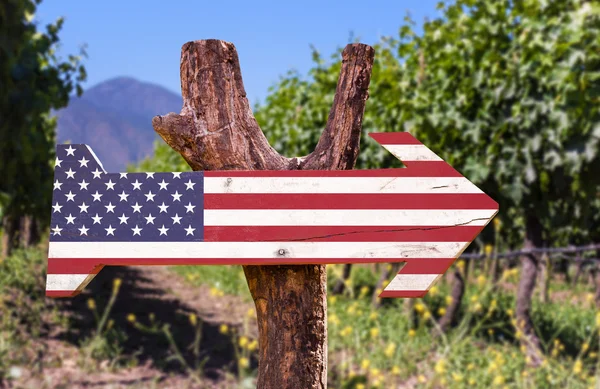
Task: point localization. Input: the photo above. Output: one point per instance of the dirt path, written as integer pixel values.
(144, 291)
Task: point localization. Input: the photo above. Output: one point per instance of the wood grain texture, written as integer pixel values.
(216, 130)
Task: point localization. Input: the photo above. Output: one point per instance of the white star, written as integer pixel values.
(97, 219)
(96, 196)
(123, 219)
(149, 219)
(83, 185)
(189, 208)
(163, 207)
(70, 151)
(70, 196)
(110, 208)
(57, 207)
(110, 230)
(136, 230)
(189, 230)
(189, 185)
(70, 173)
(163, 230)
(70, 219)
(83, 208)
(83, 230)
(56, 230)
(176, 196)
(122, 175)
(177, 175)
(96, 173)
(57, 185)
(136, 207)
(136, 184)
(83, 162)
(57, 162)
(149, 175)
(163, 184)
(176, 219)
(110, 185)
(123, 196)
(149, 196)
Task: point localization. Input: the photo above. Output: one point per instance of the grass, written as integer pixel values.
(368, 347)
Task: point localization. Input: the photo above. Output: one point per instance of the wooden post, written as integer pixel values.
(217, 131)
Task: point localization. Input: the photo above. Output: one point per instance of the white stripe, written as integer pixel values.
(228, 250)
(66, 281)
(339, 185)
(412, 153)
(343, 217)
(411, 282)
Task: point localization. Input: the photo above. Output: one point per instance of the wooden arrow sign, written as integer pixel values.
(424, 215)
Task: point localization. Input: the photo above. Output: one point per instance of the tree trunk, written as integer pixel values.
(596, 274)
(458, 290)
(533, 239)
(340, 285)
(9, 235)
(217, 131)
(580, 265)
(29, 233)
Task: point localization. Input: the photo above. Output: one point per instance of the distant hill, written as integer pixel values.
(115, 119)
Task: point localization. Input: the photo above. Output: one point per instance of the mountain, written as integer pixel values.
(115, 119)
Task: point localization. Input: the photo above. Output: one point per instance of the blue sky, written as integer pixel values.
(143, 39)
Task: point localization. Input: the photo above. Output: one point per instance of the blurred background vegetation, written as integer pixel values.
(506, 91)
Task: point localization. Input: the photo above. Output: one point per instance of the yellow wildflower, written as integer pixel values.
(214, 291)
(470, 366)
(427, 315)
(457, 377)
(364, 364)
(477, 307)
(488, 248)
(193, 319)
(421, 379)
(448, 300)
(360, 386)
(481, 281)
(373, 315)
(510, 312)
(333, 319)
(412, 333)
(374, 332)
(363, 291)
(491, 331)
(223, 328)
(497, 223)
(244, 362)
(419, 307)
(110, 324)
(433, 290)
(251, 312)
(472, 381)
(91, 304)
(461, 265)
(117, 284)
(346, 331)
(589, 297)
(440, 366)
(525, 373)
(598, 319)
(131, 318)
(593, 355)
(585, 347)
(578, 367)
(253, 345)
(332, 299)
(375, 372)
(390, 350)
(442, 311)
(243, 341)
(499, 380)
(395, 370)
(474, 298)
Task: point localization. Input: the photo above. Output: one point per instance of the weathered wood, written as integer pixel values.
(458, 290)
(217, 131)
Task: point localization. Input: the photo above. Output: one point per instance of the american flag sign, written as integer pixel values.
(424, 215)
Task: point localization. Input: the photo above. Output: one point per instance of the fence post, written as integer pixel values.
(217, 131)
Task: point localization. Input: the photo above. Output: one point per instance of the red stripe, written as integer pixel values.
(394, 138)
(340, 233)
(427, 266)
(349, 201)
(62, 293)
(413, 169)
(403, 293)
(74, 265)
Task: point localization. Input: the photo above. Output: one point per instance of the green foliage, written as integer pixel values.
(33, 81)
(165, 159)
